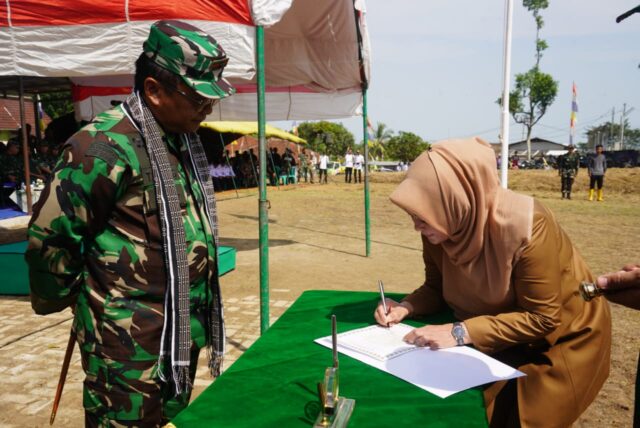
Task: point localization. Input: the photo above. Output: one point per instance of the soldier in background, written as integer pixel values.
(568, 166)
(126, 233)
(303, 171)
(12, 164)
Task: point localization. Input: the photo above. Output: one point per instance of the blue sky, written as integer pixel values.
(437, 65)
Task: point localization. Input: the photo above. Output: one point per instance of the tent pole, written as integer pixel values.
(263, 203)
(25, 147)
(504, 133)
(365, 139)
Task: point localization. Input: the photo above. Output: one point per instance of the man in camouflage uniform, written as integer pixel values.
(125, 232)
(304, 167)
(12, 164)
(42, 161)
(568, 170)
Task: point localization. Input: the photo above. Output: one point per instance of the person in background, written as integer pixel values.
(348, 165)
(43, 162)
(12, 164)
(322, 167)
(510, 273)
(597, 168)
(287, 162)
(515, 160)
(132, 188)
(303, 170)
(568, 167)
(312, 164)
(358, 163)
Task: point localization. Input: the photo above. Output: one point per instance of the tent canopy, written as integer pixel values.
(250, 128)
(316, 53)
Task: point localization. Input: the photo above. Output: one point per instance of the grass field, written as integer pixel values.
(317, 241)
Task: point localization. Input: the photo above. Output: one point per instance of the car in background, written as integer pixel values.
(334, 168)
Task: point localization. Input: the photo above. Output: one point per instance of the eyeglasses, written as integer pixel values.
(197, 100)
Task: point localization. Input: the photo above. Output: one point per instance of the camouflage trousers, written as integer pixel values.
(567, 183)
(129, 393)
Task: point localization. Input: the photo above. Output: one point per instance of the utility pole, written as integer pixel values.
(624, 111)
(623, 118)
(611, 137)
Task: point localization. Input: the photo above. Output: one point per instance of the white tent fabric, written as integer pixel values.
(312, 64)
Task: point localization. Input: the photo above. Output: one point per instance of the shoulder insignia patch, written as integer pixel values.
(102, 150)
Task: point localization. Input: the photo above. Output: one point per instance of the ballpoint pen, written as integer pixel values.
(382, 298)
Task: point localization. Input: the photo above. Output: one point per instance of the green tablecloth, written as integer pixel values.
(273, 384)
(16, 274)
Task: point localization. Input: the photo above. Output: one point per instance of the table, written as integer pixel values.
(16, 273)
(273, 384)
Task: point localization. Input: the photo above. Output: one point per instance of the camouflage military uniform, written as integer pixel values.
(568, 169)
(12, 167)
(304, 169)
(105, 246)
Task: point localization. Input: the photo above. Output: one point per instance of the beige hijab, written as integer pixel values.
(454, 188)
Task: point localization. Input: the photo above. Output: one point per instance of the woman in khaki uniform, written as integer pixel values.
(510, 273)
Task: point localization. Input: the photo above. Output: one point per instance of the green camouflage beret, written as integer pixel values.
(190, 53)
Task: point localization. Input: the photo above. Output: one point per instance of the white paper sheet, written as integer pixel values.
(443, 372)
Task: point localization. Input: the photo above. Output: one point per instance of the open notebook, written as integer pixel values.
(442, 372)
(378, 342)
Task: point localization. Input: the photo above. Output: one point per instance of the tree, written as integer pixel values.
(607, 134)
(329, 137)
(380, 137)
(57, 104)
(534, 91)
(405, 147)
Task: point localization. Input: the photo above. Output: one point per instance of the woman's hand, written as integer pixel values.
(396, 312)
(435, 336)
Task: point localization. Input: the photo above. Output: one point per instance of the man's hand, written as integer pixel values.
(396, 312)
(627, 277)
(435, 336)
(623, 286)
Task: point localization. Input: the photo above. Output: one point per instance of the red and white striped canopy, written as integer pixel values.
(316, 53)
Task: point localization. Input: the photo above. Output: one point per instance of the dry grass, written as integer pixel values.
(317, 241)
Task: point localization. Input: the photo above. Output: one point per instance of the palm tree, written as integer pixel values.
(381, 135)
(376, 150)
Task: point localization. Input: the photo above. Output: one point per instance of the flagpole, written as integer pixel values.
(574, 113)
(504, 133)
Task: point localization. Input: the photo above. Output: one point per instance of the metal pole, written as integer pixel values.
(504, 133)
(611, 136)
(624, 112)
(263, 203)
(365, 139)
(25, 147)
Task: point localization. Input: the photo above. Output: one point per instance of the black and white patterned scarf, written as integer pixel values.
(176, 332)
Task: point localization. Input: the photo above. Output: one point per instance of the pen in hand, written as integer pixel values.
(382, 298)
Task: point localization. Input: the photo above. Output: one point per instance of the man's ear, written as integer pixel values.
(153, 91)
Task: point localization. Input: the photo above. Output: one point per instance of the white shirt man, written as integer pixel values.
(324, 159)
(348, 159)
